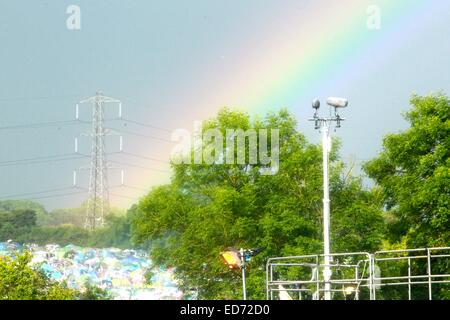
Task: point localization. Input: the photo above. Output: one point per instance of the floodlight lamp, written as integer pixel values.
(337, 102)
(316, 104)
(349, 290)
(232, 259)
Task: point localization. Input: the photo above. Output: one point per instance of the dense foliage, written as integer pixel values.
(20, 281)
(413, 173)
(207, 208)
(21, 225)
(18, 205)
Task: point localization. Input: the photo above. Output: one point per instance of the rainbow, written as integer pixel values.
(300, 63)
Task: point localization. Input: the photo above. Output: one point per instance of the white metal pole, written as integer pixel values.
(430, 292)
(326, 209)
(243, 283)
(244, 289)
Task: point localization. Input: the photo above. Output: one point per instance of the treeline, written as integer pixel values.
(28, 222)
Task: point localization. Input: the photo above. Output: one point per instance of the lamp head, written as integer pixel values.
(349, 290)
(232, 258)
(316, 104)
(337, 102)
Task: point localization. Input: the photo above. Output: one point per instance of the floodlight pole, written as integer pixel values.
(326, 146)
(244, 289)
(324, 125)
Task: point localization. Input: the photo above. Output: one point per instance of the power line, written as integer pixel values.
(142, 124)
(55, 196)
(38, 98)
(44, 124)
(142, 135)
(136, 188)
(144, 157)
(138, 166)
(128, 186)
(38, 158)
(122, 196)
(8, 164)
(34, 193)
(139, 105)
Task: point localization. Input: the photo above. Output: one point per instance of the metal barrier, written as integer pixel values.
(359, 275)
(418, 265)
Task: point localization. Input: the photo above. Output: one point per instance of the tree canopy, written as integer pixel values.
(21, 225)
(413, 174)
(19, 281)
(207, 208)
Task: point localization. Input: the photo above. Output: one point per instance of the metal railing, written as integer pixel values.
(413, 268)
(361, 275)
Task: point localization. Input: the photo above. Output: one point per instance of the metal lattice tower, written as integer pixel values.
(98, 199)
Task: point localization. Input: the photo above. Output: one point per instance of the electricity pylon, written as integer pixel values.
(98, 199)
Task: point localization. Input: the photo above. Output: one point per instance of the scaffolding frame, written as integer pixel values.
(370, 272)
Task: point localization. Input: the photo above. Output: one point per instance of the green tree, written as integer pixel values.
(116, 233)
(91, 292)
(17, 223)
(14, 205)
(207, 208)
(62, 235)
(21, 225)
(73, 216)
(19, 281)
(413, 173)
